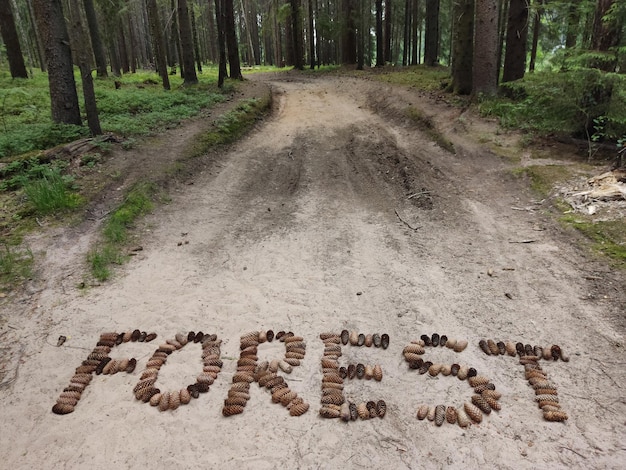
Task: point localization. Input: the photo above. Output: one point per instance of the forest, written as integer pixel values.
(557, 65)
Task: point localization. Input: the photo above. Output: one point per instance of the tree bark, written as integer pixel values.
(11, 41)
(485, 75)
(463, 46)
(380, 46)
(311, 36)
(296, 34)
(349, 33)
(221, 40)
(158, 44)
(407, 32)
(186, 44)
(53, 30)
(36, 36)
(431, 45)
(82, 55)
(516, 39)
(415, 24)
(231, 40)
(196, 44)
(606, 34)
(536, 28)
(388, 28)
(573, 21)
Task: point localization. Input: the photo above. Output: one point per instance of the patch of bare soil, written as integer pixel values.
(336, 213)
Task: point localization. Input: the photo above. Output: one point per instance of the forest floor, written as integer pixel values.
(336, 212)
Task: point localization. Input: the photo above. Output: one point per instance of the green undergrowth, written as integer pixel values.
(15, 264)
(607, 237)
(230, 126)
(130, 105)
(417, 76)
(584, 103)
(543, 178)
(115, 234)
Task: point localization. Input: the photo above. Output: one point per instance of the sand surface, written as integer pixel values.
(334, 214)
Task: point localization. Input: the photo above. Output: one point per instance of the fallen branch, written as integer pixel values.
(572, 450)
(421, 193)
(404, 221)
(523, 241)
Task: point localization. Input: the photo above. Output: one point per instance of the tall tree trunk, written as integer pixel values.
(349, 33)
(123, 49)
(388, 28)
(186, 43)
(573, 21)
(158, 42)
(311, 36)
(53, 30)
(231, 40)
(37, 36)
(463, 46)
(431, 45)
(380, 46)
(296, 34)
(536, 28)
(503, 8)
(415, 24)
(176, 37)
(83, 59)
(360, 53)
(196, 44)
(221, 40)
(485, 76)
(133, 46)
(516, 39)
(11, 41)
(606, 34)
(407, 32)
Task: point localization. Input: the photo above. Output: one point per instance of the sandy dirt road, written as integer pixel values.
(333, 214)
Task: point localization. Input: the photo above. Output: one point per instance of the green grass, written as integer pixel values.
(608, 237)
(230, 126)
(138, 202)
(51, 193)
(101, 259)
(15, 264)
(427, 125)
(543, 178)
(418, 76)
(139, 107)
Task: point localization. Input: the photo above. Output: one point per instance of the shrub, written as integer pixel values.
(582, 102)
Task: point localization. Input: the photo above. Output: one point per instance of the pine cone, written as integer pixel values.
(473, 412)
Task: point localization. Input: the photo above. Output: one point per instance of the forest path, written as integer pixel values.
(336, 213)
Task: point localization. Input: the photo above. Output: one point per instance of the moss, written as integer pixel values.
(543, 177)
(418, 76)
(230, 126)
(607, 237)
(426, 124)
(138, 202)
